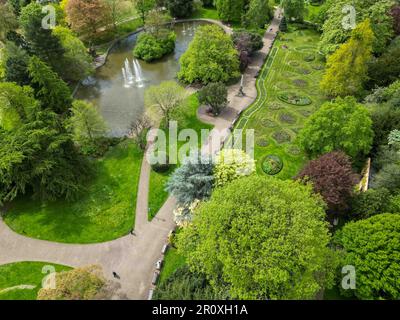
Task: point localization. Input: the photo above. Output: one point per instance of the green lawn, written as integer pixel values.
(24, 273)
(172, 262)
(206, 13)
(186, 116)
(105, 212)
(276, 123)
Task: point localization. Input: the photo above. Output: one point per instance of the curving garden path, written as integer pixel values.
(133, 257)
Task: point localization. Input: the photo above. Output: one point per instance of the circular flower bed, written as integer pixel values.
(304, 71)
(309, 58)
(306, 113)
(272, 164)
(300, 83)
(294, 63)
(318, 67)
(268, 123)
(294, 150)
(287, 118)
(262, 142)
(281, 136)
(295, 99)
(275, 106)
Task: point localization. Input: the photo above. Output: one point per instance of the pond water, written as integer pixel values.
(119, 103)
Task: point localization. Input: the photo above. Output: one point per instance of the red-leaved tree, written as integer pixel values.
(332, 177)
(395, 13)
(86, 17)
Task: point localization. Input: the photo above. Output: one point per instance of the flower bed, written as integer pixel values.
(295, 99)
(281, 136)
(272, 164)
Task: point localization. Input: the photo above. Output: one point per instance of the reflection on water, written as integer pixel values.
(118, 104)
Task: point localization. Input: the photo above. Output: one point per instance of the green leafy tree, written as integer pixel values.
(260, 238)
(86, 123)
(258, 14)
(17, 105)
(39, 157)
(385, 119)
(8, 21)
(372, 247)
(41, 41)
(144, 6)
(180, 8)
(211, 57)
(385, 69)
(161, 100)
(231, 164)
(387, 167)
(150, 47)
(377, 11)
(342, 124)
(215, 95)
(193, 180)
(230, 10)
(294, 9)
(16, 64)
(283, 26)
(77, 62)
(347, 68)
(369, 203)
(50, 90)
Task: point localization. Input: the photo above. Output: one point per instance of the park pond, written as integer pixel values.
(117, 88)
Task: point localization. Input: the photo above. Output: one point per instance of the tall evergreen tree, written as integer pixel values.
(50, 89)
(41, 41)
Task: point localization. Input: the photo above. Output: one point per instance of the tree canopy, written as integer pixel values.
(342, 124)
(372, 246)
(260, 238)
(331, 176)
(347, 68)
(211, 57)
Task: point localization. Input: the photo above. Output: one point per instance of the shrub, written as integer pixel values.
(150, 47)
(193, 180)
(231, 164)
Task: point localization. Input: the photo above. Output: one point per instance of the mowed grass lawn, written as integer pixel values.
(105, 212)
(186, 117)
(293, 67)
(24, 273)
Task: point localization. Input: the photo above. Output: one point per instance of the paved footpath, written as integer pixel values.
(133, 257)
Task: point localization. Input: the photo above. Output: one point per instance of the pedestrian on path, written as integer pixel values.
(133, 232)
(115, 275)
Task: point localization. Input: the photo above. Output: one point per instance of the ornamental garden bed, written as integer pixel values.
(295, 99)
(272, 164)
